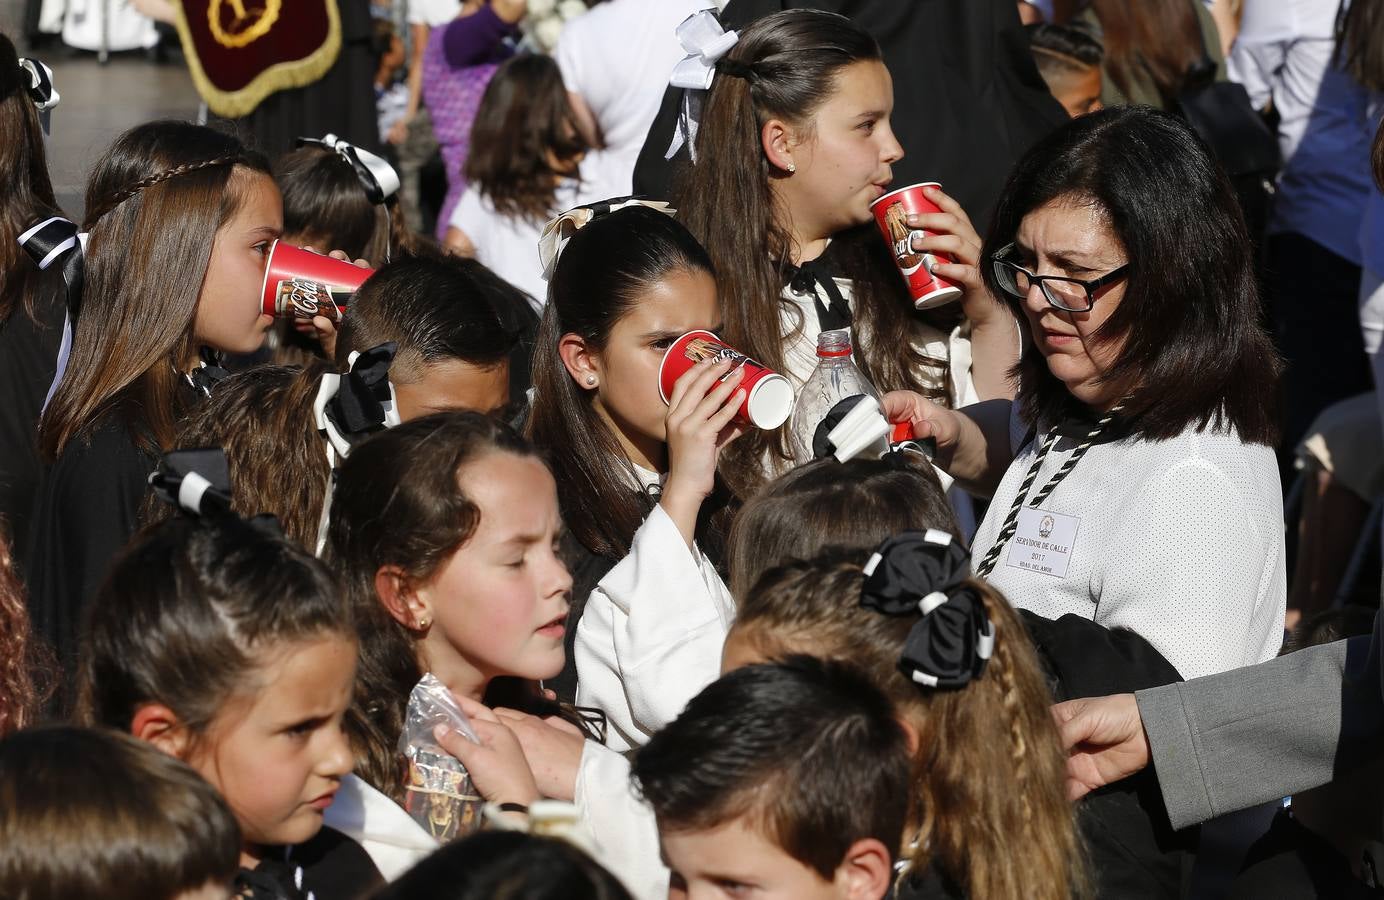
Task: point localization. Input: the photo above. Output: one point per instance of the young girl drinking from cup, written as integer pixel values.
(179, 219)
(792, 146)
(637, 477)
(226, 645)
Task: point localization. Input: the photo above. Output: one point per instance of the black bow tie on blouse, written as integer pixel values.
(806, 278)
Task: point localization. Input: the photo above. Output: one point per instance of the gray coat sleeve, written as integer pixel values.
(1229, 741)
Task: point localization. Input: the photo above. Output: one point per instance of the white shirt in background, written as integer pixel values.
(618, 58)
(1179, 541)
(1284, 53)
(432, 13)
(508, 246)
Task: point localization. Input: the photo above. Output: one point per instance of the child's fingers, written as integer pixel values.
(947, 203)
(731, 432)
(723, 416)
(685, 382)
(716, 397)
(698, 382)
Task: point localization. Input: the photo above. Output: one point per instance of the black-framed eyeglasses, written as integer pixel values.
(1067, 294)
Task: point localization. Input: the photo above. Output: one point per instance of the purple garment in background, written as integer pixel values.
(452, 97)
(472, 40)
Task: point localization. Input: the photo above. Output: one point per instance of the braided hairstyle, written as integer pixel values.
(155, 202)
(990, 809)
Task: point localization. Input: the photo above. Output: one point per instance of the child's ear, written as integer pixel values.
(867, 870)
(158, 725)
(777, 139)
(582, 364)
(910, 733)
(401, 599)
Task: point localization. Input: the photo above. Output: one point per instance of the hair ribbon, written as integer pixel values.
(926, 573)
(705, 42)
(559, 231)
(376, 175)
(38, 79)
(57, 240)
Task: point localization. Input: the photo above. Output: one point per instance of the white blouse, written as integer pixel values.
(1180, 541)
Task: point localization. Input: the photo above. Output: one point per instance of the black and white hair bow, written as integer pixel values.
(376, 175)
(196, 481)
(559, 231)
(925, 574)
(705, 42)
(56, 241)
(350, 406)
(856, 427)
(38, 83)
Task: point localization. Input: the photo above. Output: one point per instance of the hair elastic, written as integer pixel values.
(198, 482)
(559, 231)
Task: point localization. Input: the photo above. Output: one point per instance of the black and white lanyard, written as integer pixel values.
(1011, 521)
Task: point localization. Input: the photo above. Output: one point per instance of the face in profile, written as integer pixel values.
(229, 317)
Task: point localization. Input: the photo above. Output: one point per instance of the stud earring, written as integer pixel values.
(423, 623)
(591, 380)
(792, 168)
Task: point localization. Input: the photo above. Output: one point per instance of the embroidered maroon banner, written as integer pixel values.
(241, 51)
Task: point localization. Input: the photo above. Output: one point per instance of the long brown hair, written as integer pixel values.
(1360, 42)
(524, 125)
(989, 772)
(26, 191)
(1159, 38)
(793, 59)
(399, 502)
(155, 202)
(26, 666)
(262, 418)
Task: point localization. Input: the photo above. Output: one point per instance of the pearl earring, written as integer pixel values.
(423, 623)
(792, 168)
(591, 380)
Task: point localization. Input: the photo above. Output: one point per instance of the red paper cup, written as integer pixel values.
(768, 395)
(300, 284)
(891, 215)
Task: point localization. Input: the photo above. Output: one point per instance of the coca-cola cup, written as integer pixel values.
(768, 395)
(891, 214)
(300, 284)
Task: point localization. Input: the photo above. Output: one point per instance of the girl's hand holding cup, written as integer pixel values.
(497, 765)
(949, 231)
(321, 327)
(701, 421)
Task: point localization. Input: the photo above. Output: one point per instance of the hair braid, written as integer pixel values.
(158, 178)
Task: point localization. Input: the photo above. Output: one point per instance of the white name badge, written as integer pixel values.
(1043, 542)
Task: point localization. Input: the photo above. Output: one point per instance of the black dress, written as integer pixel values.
(86, 510)
(28, 360)
(331, 866)
(968, 98)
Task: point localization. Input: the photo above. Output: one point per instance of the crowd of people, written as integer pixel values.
(486, 584)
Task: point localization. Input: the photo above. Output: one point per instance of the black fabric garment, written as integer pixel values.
(28, 360)
(1313, 295)
(334, 867)
(968, 98)
(341, 102)
(817, 277)
(1292, 863)
(929, 885)
(1133, 850)
(86, 508)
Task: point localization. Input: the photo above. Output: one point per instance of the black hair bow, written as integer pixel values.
(805, 279)
(362, 401)
(57, 240)
(196, 481)
(924, 573)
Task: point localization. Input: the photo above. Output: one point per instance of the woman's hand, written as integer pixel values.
(497, 765)
(553, 749)
(950, 231)
(700, 422)
(1105, 741)
(929, 420)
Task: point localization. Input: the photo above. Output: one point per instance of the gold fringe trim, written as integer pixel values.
(278, 77)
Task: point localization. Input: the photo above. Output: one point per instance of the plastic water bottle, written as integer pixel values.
(835, 378)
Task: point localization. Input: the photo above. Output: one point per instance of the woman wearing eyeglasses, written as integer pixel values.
(1133, 478)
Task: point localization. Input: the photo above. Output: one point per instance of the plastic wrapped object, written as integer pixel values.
(439, 794)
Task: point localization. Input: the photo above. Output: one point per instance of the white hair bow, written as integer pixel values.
(559, 231)
(705, 42)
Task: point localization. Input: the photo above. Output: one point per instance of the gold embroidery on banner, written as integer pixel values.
(246, 25)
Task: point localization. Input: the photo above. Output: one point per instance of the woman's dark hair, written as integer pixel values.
(793, 59)
(604, 271)
(155, 202)
(326, 207)
(399, 502)
(807, 750)
(1194, 352)
(94, 813)
(1360, 42)
(506, 864)
(186, 612)
(263, 419)
(436, 309)
(524, 139)
(1160, 39)
(825, 503)
(26, 191)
